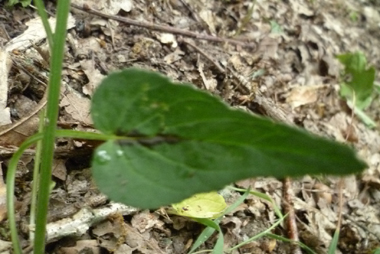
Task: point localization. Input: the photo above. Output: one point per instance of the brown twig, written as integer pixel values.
(222, 70)
(216, 64)
(165, 29)
(340, 203)
(200, 51)
(290, 221)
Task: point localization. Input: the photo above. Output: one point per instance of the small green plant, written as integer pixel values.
(24, 3)
(213, 225)
(357, 86)
(354, 16)
(212, 222)
(165, 142)
(275, 27)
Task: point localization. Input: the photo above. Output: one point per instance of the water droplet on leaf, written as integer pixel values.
(103, 156)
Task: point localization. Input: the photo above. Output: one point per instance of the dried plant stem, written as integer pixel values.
(290, 220)
(165, 29)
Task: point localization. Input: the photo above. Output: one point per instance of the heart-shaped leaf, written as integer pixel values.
(180, 141)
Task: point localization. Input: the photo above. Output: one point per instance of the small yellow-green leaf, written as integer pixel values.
(204, 205)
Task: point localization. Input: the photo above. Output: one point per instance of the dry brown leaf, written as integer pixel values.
(82, 246)
(237, 222)
(111, 7)
(5, 64)
(237, 63)
(78, 107)
(145, 221)
(142, 242)
(16, 136)
(103, 228)
(59, 169)
(208, 17)
(85, 47)
(34, 33)
(94, 76)
(268, 47)
(322, 191)
(24, 106)
(174, 56)
(210, 83)
(303, 95)
(166, 38)
(301, 8)
(246, 183)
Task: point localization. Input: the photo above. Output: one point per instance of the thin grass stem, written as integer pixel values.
(59, 38)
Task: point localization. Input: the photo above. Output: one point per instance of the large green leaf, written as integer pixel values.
(180, 141)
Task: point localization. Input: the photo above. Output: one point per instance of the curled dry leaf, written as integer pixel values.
(303, 95)
(322, 191)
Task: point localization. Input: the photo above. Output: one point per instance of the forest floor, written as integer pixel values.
(286, 49)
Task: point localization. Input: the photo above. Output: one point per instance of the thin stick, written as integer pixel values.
(200, 51)
(290, 221)
(165, 29)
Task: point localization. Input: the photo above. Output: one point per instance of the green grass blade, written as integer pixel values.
(265, 197)
(334, 242)
(208, 231)
(218, 248)
(237, 202)
(44, 18)
(12, 167)
(11, 173)
(281, 238)
(36, 176)
(63, 7)
(261, 234)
